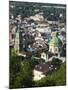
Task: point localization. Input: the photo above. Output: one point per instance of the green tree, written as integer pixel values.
(14, 67)
(56, 62)
(24, 77)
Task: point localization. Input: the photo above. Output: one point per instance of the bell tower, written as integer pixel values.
(16, 46)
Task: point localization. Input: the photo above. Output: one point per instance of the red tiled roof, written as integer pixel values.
(44, 68)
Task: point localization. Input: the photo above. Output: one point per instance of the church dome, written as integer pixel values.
(55, 41)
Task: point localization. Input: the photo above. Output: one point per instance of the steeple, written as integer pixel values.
(16, 46)
(55, 43)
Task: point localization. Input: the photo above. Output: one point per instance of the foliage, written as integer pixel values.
(20, 72)
(14, 66)
(33, 62)
(24, 76)
(56, 62)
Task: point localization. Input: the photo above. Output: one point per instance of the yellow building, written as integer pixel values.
(55, 43)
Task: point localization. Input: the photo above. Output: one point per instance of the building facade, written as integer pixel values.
(55, 44)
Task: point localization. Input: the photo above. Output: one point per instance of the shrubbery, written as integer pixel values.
(21, 73)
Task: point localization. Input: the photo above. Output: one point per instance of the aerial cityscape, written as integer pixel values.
(37, 44)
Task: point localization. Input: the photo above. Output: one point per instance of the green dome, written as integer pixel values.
(55, 41)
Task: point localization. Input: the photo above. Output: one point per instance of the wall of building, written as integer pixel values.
(38, 75)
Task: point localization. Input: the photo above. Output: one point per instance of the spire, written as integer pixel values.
(55, 41)
(54, 34)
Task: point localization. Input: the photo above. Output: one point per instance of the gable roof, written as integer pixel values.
(44, 68)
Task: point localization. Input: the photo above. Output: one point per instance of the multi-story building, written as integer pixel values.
(55, 44)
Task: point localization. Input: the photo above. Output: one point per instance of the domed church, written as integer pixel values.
(55, 44)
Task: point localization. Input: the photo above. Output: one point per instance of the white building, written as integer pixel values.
(38, 75)
(53, 22)
(41, 71)
(44, 56)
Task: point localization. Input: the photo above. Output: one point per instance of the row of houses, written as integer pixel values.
(35, 34)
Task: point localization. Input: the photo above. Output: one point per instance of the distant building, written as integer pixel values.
(39, 42)
(38, 36)
(55, 44)
(37, 17)
(16, 45)
(42, 27)
(52, 19)
(52, 22)
(44, 56)
(12, 30)
(11, 42)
